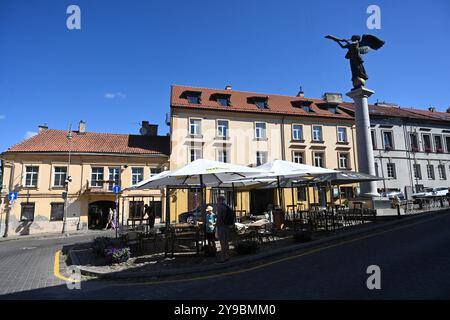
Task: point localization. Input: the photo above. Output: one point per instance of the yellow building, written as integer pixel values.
(39, 167)
(248, 128)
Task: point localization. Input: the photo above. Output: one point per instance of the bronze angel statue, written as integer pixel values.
(357, 46)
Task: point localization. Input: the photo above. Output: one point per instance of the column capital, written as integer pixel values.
(360, 92)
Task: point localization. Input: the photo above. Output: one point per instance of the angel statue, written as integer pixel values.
(357, 46)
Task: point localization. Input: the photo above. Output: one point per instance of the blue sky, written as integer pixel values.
(117, 70)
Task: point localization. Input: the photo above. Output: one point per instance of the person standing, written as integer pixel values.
(210, 230)
(223, 228)
(150, 215)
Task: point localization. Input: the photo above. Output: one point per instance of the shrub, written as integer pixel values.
(101, 243)
(117, 255)
(303, 236)
(246, 247)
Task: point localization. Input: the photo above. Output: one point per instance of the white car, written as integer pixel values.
(440, 191)
(428, 192)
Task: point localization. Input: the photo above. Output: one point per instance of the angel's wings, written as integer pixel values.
(368, 42)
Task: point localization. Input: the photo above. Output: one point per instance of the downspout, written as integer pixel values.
(283, 147)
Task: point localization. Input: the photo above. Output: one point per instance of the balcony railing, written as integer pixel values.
(103, 186)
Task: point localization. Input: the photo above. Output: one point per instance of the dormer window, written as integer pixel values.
(260, 102)
(193, 99)
(305, 105)
(332, 109)
(222, 99)
(307, 108)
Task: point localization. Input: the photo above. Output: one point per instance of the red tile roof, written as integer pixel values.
(279, 104)
(241, 102)
(90, 142)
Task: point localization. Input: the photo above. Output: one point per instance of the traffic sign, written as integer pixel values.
(12, 196)
(116, 189)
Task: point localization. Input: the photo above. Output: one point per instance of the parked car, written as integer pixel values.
(427, 192)
(193, 216)
(392, 194)
(440, 191)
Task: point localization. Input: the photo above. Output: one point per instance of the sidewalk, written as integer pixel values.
(240, 261)
(56, 235)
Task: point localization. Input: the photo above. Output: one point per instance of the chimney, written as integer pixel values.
(42, 128)
(228, 87)
(448, 110)
(82, 127)
(148, 129)
(432, 109)
(332, 97)
(301, 94)
(387, 104)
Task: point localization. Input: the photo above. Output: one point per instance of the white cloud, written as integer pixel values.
(2, 117)
(29, 134)
(114, 95)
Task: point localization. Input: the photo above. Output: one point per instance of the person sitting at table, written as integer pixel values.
(210, 230)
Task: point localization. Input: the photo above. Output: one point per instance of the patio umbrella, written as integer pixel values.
(200, 173)
(282, 169)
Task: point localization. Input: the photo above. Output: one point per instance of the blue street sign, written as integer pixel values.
(116, 189)
(12, 196)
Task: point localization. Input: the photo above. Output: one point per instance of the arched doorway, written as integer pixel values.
(98, 213)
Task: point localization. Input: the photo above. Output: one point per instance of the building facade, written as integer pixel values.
(250, 129)
(85, 167)
(411, 147)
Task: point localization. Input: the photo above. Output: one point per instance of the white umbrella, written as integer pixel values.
(288, 169)
(151, 183)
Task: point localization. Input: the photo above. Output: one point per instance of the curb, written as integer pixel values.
(249, 259)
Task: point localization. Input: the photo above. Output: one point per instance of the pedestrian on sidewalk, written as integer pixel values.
(210, 231)
(224, 223)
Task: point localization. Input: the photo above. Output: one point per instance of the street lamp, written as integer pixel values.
(66, 182)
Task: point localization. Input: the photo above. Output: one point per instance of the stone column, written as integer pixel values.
(366, 161)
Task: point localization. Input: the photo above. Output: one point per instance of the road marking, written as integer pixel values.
(267, 264)
(56, 269)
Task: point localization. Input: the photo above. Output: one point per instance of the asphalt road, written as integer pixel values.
(414, 260)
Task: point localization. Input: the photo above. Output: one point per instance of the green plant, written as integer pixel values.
(246, 247)
(303, 236)
(101, 243)
(117, 255)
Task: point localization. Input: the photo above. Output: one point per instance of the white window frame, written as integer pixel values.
(431, 175)
(103, 174)
(258, 155)
(260, 133)
(32, 176)
(111, 185)
(394, 170)
(345, 135)
(136, 175)
(322, 158)
(219, 132)
(442, 172)
(417, 171)
(198, 127)
(434, 143)
(298, 154)
(431, 142)
(320, 131)
(195, 150)
(392, 138)
(54, 176)
(299, 132)
(220, 155)
(347, 160)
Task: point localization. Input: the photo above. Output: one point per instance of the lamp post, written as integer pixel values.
(66, 182)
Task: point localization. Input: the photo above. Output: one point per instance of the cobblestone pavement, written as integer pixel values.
(28, 264)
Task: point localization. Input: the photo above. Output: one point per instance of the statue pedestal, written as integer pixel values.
(366, 162)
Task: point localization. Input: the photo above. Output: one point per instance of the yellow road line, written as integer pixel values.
(264, 265)
(56, 269)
